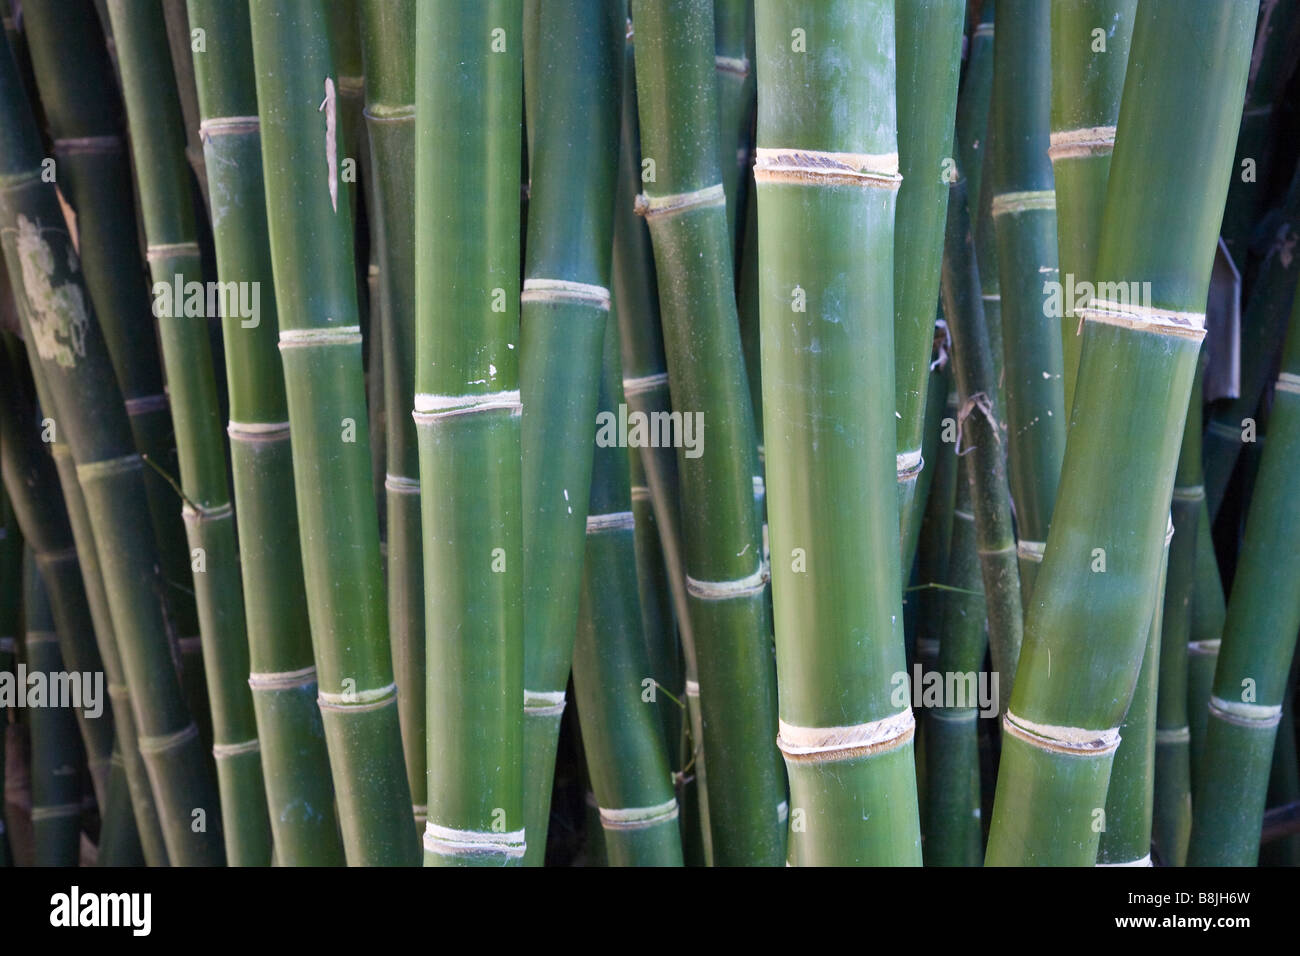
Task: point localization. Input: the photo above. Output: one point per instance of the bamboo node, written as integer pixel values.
(692, 688)
(652, 207)
(544, 703)
(1255, 716)
(170, 250)
(723, 590)
(1076, 143)
(644, 383)
(822, 168)
(1079, 741)
(909, 464)
(199, 513)
(1173, 735)
(165, 742)
(401, 485)
(737, 65)
(449, 841)
(307, 338)
(1189, 493)
(638, 818)
(282, 680)
(564, 291)
(109, 467)
(229, 126)
(1206, 648)
(144, 404)
(55, 811)
(56, 557)
(1026, 201)
(428, 407)
(1145, 318)
(615, 521)
(846, 742)
(1286, 382)
(223, 751)
(89, 144)
(257, 431)
(1031, 550)
(356, 700)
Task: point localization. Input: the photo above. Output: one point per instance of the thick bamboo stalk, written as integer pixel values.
(928, 46)
(83, 108)
(1259, 639)
(1024, 214)
(574, 163)
(283, 674)
(980, 436)
(163, 178)
(1131, 797)
(684, 205)
(388, 33)
(826, 189)
(1135, 375)
(467, 175)
(57, 759)
(646, 390)
(627, 757)
(309, 223)
(1087, 80)
(66, 342)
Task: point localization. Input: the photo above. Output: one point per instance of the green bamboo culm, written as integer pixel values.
(57, 760)
(295, 763)
(733, 30)
(388, 34)
(468, 109)
(973, 100)
(1089, 47)
(627, 756)
(310, 230)
(980, 436)
(68, 351)
(929, 61)
(1131, 795)
(1259, 639)
(79, 94)
(565, 307)
(1135, 375)
(163, 180)
(1209, 612)
(684, 206)
(827, 183)
(1024, 214)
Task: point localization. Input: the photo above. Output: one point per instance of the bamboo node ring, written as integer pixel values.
(823, 168)
(449, 841)
(845, 742)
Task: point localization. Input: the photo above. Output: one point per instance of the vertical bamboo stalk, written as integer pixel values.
(309, 220)
(467, 176)
(283, 673)
(684, 206)
(1209, 611)
(162, 176)
(10, 621)
(1135, 375)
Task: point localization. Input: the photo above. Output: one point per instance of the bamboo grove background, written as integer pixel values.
(366, 587)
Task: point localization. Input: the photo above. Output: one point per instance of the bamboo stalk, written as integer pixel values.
(973, 101)
(1209, 611)
(388, 33)
(162, 175)
(86, 403)
(733, 30)
(10, 623)
(467, 421)
(57, 758)
(980, 436)
(1259, 639)
(1024, 214)
(1135, 375)
(928, 61)
(1087, 81)
(684, 207)
(626, 754)
(309, 224)
(295, 764)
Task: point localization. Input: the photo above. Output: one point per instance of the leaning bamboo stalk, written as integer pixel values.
(684, 207)
(929, 62)
(574, 163)
(56, 754)
(646, 390)
(1135, 375)
(980, 437)
(162, 176)
(826, 195)
(733, 29)
(283, 680)
(1259, 639)
(310, 231)
(626, 751)
(1131, 794)
(83, 108)
(467, 177)
(388, 34)
(1087, 79)
(1024, 214)
(973, 100)
(87, 405)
